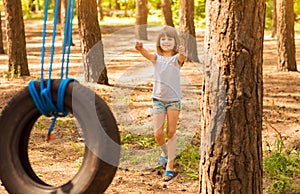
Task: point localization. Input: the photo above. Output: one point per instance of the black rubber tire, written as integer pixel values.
(102, 150)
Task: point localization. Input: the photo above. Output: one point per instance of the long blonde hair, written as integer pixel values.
(169, 32)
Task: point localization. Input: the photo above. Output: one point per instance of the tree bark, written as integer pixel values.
(286, 36)
(117, 5)
(100, 10)
(59, 11)
(92, 46)
(274, 20)
(1, 37)
(187, 29)
(141, 19)
(16, 43)
(231, 105)
(167, 11)
(62, 14)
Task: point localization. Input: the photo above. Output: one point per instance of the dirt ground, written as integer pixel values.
(57, 161)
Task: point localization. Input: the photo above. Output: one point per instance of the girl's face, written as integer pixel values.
(167, 43)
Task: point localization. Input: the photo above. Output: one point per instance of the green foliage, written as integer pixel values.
(297, 9)
(188, 162)
(155, 12)
(25, 9)
(146, 141)
(281, 167)
(200, 13)
(269, 13)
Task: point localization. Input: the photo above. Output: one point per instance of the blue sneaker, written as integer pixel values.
(169, 175)
(162, 161)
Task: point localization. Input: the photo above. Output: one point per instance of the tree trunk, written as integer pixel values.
(100, 10)
(141, 16)
(117, 5)
(31, 6)
(167, 11)
(59, 12)
(187, 29)
(92, 47)
(16, 43)
(231, 105)
(1, 37)
(286, 36)
(274, 20)
(62, 14)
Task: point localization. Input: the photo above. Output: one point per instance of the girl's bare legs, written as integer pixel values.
(172, 118)
(158, 123)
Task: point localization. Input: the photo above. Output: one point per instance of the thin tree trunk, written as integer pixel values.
(274, 20)
(100, 10)
(16, 43)
(187, 29)
(141, 19)
(1, 37)
(92, 46)
(117, 5)
(59, 12)
(167, 11)
(31, 6)
(63, 10)
(286, 36)
(231, 105)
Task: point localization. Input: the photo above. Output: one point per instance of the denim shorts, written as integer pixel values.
(162, 106)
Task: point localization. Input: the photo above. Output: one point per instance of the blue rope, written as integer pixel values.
(43, 98)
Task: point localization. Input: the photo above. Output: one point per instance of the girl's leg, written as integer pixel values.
(158, 123)
(172, 118)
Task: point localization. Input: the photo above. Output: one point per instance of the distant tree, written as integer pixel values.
(274, 20)
(63, 10)
(141, 16)
(167, 11)
(1, 37)
(31, 6)
(117, 5)
(94, 65)
(187, 29)
(126, 8)
(232, 98)
(16, 43)
(59, 11)
(100, 10)
(62, 14)
(34, 5)
(286, 36)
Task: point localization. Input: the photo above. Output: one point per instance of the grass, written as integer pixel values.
(281, 168)
(146, 141)
(281, 162)
(187, 161)
(281, 165)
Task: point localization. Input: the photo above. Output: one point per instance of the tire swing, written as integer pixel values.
(57, 99)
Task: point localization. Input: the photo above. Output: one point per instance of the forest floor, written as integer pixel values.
(129, 74)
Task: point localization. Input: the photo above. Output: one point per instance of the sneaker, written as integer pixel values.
(162, 161)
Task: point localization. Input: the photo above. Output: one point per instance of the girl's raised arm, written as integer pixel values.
(150, 56)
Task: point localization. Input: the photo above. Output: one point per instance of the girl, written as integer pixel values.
(166, 93)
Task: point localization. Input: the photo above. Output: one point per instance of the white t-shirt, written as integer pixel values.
(166, 85)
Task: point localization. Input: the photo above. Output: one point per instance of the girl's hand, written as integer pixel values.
(139, 46)
(181, 57)
(181, 50)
